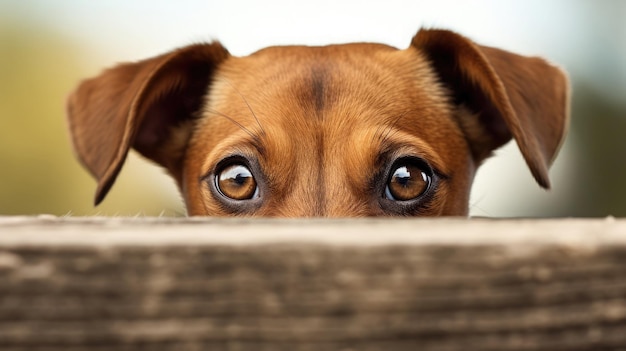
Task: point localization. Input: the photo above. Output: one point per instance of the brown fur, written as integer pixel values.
(321, 124)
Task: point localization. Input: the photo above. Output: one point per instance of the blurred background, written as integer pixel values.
(47, 46)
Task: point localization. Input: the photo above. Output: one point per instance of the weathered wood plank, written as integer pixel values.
(198, 284)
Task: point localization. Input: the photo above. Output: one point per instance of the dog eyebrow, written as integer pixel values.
(256, 118)
(234, 121)
(389, 129)
(256, 137)
(390, 146)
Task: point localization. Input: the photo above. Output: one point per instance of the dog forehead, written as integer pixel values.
(317, 78)
(288, 66)
(333, 90)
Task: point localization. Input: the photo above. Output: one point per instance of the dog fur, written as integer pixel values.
(320, 129)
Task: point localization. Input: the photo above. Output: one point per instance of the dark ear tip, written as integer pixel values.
(545, 183)
(98, 198)
(540, 173)
(101, 192)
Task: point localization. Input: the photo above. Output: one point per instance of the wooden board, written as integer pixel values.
(208, 284)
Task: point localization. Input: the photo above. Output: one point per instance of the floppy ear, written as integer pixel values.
(149, 105)
(507, 95)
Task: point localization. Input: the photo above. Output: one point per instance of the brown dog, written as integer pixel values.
(335, 131)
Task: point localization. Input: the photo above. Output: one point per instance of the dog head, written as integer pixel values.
(335, 131)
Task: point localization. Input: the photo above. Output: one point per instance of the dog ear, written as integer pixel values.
(148, 105)
(507, 95)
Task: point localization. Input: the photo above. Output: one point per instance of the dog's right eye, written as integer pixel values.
(236, 182)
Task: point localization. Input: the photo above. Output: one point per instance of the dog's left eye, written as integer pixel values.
(236, 182)
(408, 180)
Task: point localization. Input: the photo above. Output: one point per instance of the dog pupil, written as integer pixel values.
(241, 178)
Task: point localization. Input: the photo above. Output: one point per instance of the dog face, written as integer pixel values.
(335, 131)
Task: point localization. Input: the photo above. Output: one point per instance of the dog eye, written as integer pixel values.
(236, 182)
(408, 180)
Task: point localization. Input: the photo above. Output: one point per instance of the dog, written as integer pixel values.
(347, 130)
